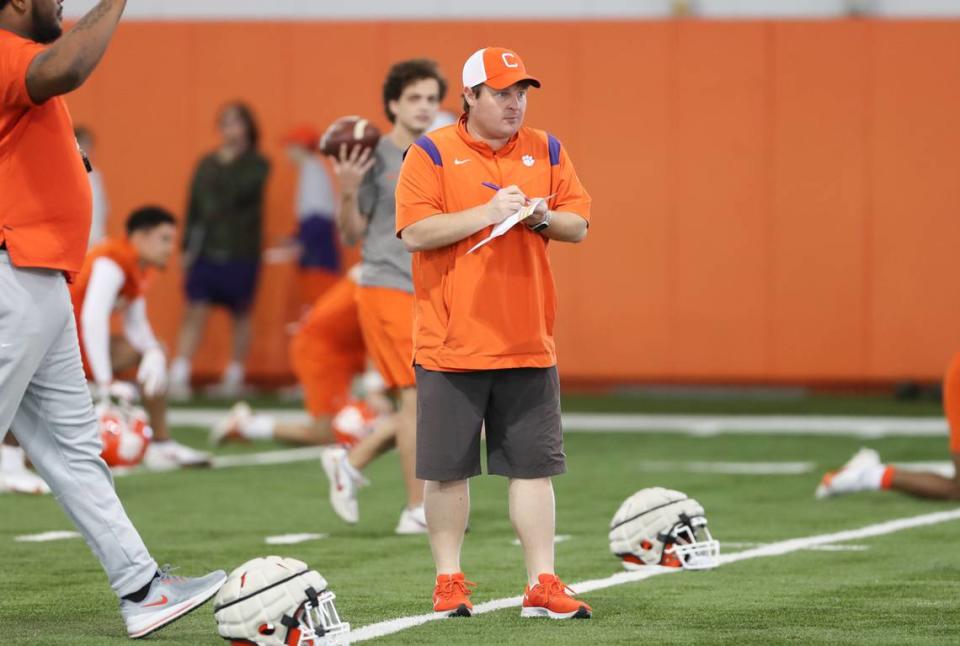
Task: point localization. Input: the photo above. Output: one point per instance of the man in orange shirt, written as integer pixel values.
(45, 208)
(483, 340)
(114, 278)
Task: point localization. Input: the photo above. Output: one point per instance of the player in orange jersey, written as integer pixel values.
(114, 279)
(865, 471)
(326, 353)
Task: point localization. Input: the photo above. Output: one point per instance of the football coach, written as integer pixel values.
(484, 350)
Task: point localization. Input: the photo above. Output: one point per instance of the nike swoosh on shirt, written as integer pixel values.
(461, 162)
(163, 601)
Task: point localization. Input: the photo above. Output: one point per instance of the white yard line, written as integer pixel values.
(729, 468)
(682, 424)
(384, 628)
(46, 537)
(814, 548)
(759, 424)
(559, 538)
(293, 539)
(283, 456)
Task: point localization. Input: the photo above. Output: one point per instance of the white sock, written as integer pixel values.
(260, 427)
(872, 477)
(351, 470)
(233, 375)
(12, 459)
(180, 371)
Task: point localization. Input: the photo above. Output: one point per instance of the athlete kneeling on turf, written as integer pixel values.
(114, 279)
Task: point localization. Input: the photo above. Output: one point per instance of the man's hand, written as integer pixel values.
(505, 203)
(351, 167)
(152, 373)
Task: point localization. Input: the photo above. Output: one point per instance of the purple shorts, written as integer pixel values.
(231, 284)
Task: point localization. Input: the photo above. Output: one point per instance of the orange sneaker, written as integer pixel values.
(452, 595)
(549, 598)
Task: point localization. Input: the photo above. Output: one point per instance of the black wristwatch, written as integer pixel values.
(542, 224)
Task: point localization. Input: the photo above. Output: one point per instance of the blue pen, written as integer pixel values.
(491, 185)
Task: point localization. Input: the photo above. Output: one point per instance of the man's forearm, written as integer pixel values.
(565, 227)
(351, 222)
(444, 229)
(66, 64)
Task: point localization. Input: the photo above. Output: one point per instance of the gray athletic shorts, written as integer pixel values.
(521, 408)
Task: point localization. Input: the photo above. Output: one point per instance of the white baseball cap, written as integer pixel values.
(497, 67)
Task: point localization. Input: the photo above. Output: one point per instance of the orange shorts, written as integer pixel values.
(327, 352)
(314, 283)
(386, 318)
(951, 402)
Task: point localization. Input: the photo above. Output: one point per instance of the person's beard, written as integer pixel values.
(45, 30)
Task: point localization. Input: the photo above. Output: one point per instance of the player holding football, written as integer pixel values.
(483, 343)
(45, 211)
(412, 92)
(865, 472)
(114, 278)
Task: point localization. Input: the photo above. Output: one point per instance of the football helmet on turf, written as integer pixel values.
(277, 601)
(658, 526)
(125, 434)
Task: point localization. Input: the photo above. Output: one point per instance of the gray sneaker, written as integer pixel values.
(169, 598)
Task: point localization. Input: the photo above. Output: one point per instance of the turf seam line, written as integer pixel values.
(841, 425)
(391, 626)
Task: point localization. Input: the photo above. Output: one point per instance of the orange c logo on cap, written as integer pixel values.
(507, 58)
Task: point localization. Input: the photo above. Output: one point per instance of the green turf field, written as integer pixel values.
(896, 589)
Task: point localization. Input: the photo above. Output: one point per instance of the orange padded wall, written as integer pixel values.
(772, 201)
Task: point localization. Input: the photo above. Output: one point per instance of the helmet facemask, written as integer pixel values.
(316, 622)
(692, 544)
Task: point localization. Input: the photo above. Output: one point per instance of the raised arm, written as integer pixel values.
(65, 65)
(351, 170)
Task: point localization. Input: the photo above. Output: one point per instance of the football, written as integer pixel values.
(351, 131)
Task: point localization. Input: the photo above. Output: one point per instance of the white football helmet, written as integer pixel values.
(276, 601)
(658, 526)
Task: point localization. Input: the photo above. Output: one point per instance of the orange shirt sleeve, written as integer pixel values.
(16, 54)
(571, 196)
(419, 189)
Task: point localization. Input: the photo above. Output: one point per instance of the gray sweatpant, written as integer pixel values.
(45, 402)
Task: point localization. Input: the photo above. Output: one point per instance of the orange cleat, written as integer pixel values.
(550, 598)
(451, 596)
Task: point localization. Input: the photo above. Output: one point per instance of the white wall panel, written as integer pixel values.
(769, 8)
(914, 8)
(513, 9)
(381, 9)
